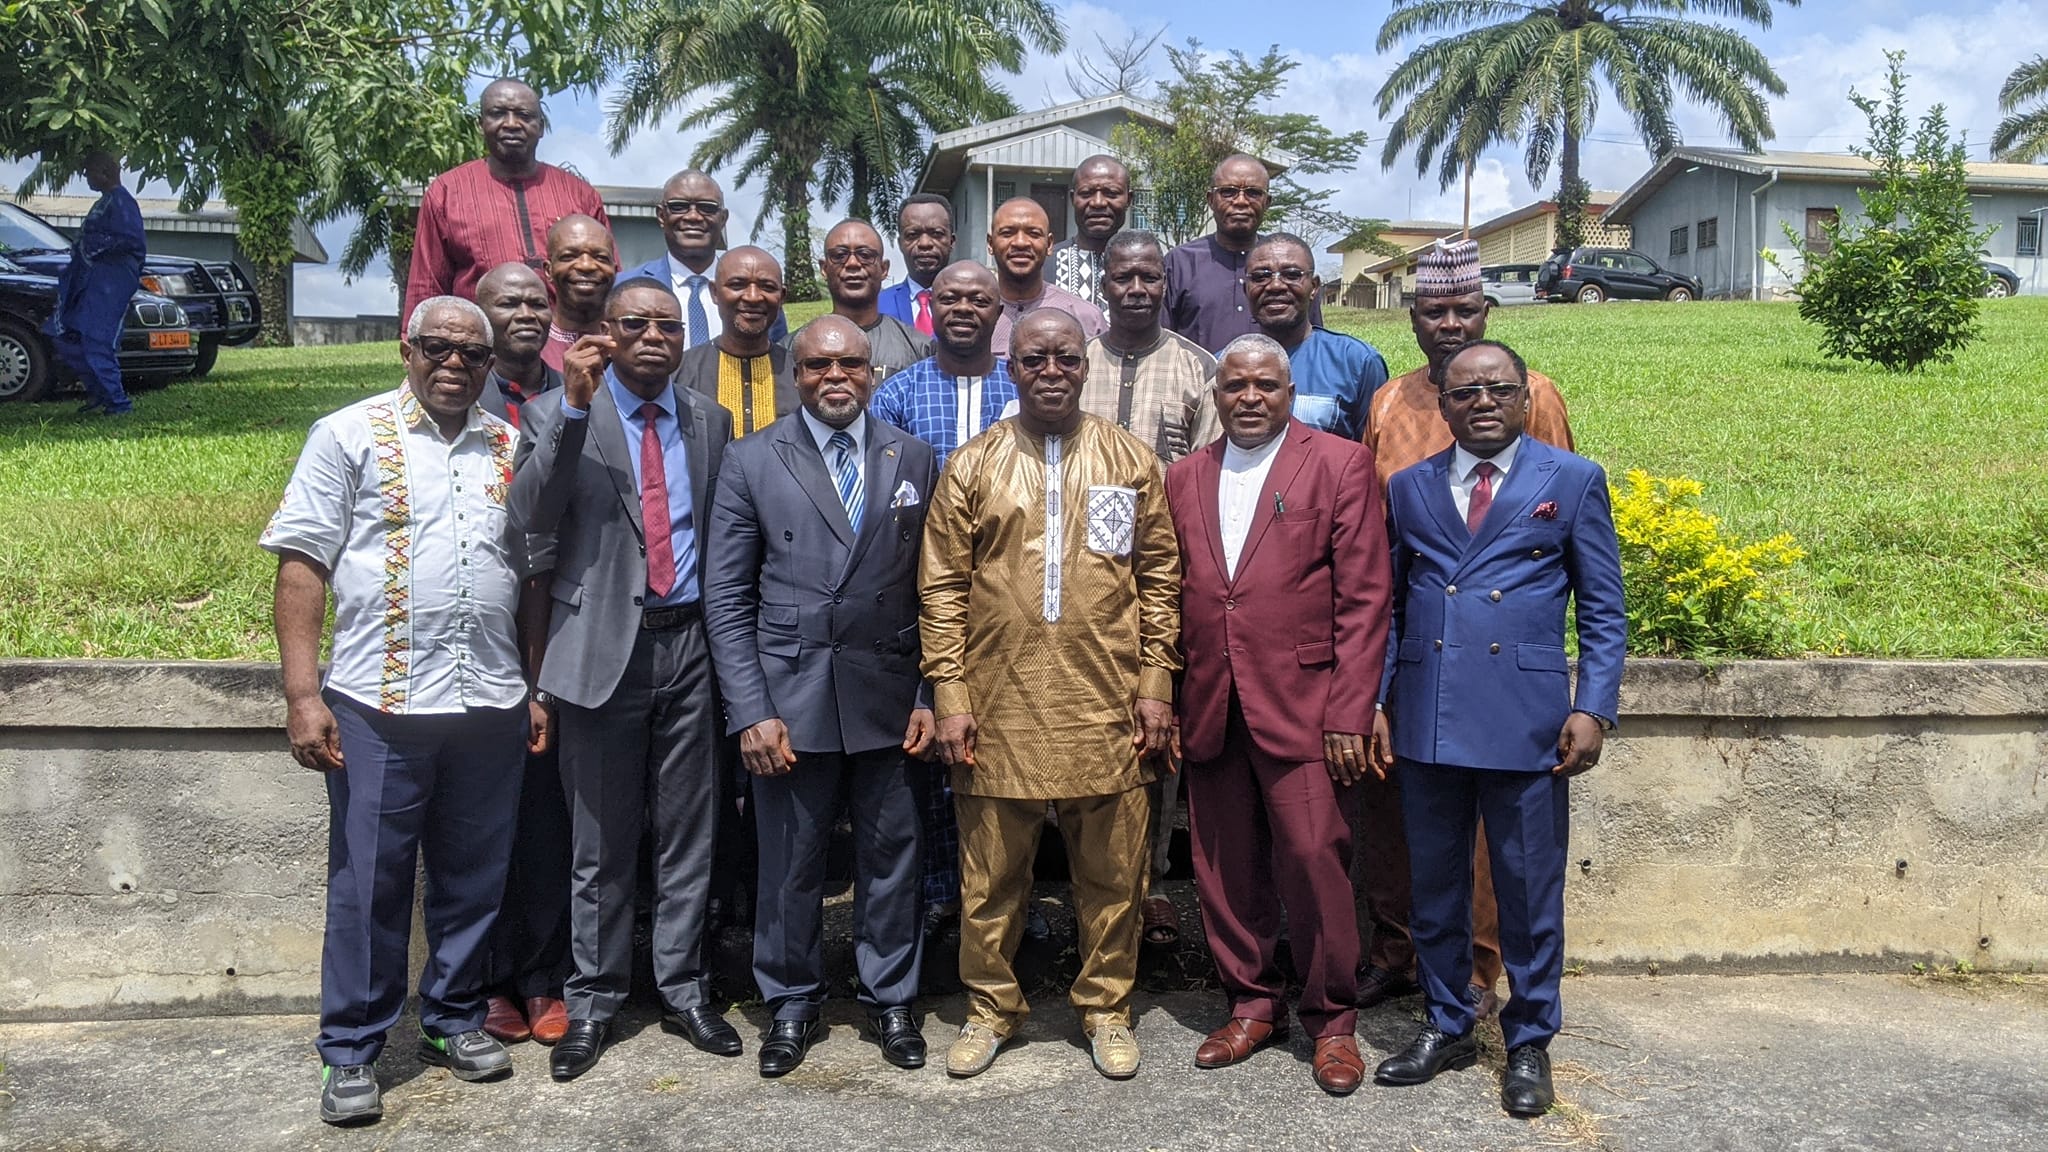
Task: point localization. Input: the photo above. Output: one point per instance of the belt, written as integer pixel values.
(671, 618)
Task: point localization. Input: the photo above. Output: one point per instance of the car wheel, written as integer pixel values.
(24, 363)
(1592, 294)
(1680, 295)
(1998, 289)
(209, 351)
(1492, 303)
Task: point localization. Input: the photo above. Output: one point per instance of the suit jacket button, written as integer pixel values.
(1536, 553)
(1494, 648)
(1451, 591)
(839, 647)
(878, 597)
(1495, 595)
(636, 601)
(643, 549)
(1230, 605)
(842, 599)
(1439, 645)
(788, 535)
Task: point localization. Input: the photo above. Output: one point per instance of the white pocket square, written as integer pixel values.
(906, 496)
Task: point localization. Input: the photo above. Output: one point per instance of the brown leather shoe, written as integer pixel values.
(1236, 1041)
(550, 1018)
(1338, 1067)
(1376, 986)
(503, 1022)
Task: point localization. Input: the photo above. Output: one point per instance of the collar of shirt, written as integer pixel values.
(679, 273)
(417, 417)
(629, 403)
(1237, 459)
(1463, 463)
(821, 434)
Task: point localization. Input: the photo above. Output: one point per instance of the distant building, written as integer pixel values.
(1351, 288)
(1526, 235)
(631, 210)
(1710, 213)
(1034, 154)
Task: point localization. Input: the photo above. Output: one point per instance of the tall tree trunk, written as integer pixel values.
(799, 265)
(1572, 194)
(398, 248)
(861, 198)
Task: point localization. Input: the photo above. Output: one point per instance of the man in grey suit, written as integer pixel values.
(810, 599)
(621, 472)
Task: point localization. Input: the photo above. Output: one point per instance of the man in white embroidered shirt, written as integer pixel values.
(398, 505)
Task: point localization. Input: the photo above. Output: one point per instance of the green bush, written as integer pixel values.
(1692, 587)
(1899, 287)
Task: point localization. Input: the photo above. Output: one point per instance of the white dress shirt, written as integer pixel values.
(679, 275)
(413, 529)
(1465, 474)
(1238, 491)
(822, 433)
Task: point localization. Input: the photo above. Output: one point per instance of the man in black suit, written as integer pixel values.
(621, 471)
(811, 602)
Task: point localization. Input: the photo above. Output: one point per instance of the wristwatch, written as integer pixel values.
(1605, 724)
(543, 697)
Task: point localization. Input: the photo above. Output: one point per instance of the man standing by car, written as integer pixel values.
(478, 215)
(93, 292)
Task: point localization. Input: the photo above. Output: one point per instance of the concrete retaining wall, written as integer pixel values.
(161, 853)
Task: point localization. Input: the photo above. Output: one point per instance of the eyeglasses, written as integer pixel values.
(841, 255)
(1286, 275)
(819, 365)
(705, 208)
(1036, 361)
(438, 350)
(635, 325)
(1501, 393)
(1229, 192)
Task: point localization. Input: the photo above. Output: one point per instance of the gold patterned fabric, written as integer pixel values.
(1406, 427)
(1050, 657)
(746, 388)
(1159, 394)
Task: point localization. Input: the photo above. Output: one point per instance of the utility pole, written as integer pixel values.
(1466, 234)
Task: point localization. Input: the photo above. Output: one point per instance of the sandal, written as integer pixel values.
(1162, 921)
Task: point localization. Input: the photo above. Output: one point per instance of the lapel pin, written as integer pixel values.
(889, 452)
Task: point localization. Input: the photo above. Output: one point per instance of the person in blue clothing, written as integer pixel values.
(1492, 539)
(93, 292)
(1335, 375)
(693, 216)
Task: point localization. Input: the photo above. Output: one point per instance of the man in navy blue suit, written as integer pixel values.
(693, 216)
(1492, 540)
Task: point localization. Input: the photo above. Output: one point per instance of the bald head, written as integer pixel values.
(582, 265)
(1049, 362)
(1101, 196)
(693, 216)
(966, 300)
(1239, 191)
(834, 376)
(854, 268)
(1019, 236)
(748, 290)
(515, 300)
(510, 118)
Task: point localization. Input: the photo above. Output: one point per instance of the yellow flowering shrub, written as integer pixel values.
(1693, 587)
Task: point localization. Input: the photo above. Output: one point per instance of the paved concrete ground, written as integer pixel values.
(1692, 1063)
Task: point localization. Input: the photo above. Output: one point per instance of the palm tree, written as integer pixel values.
(1531, 73)
(842, 91)
(2022, 137)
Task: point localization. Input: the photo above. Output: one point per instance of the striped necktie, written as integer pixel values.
(846, 475)
(699, 319)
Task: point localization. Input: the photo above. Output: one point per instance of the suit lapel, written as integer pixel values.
(800, 455)
(1208, 490)
(1436, 493)
(613, 450)
(1530, 476)
(1287, 464)
(883, 461)
(697, 442)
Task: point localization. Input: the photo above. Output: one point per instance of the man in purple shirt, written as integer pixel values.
(1019, 238)
(1205, 299)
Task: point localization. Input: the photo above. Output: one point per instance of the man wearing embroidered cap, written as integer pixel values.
(1405, 428)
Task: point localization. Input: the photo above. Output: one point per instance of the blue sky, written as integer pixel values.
(1959, 52)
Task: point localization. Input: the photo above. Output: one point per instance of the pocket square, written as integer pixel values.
(906, 496)
(1545, 511)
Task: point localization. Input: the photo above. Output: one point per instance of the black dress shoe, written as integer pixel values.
(1376, 986)
(576, 1052)
(897, 1033)
(787, 1042)
(1526, 1090)
(705, 1029)
(1432, 1052)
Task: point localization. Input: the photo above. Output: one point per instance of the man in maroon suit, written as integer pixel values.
(1284, 610)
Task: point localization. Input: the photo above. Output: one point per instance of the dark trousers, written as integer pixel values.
(530, 945)
(1264, 828)
(1527, 817)
(647, 755)
(1384, 887)
(97, 366)
(440, 787)
(793, 816)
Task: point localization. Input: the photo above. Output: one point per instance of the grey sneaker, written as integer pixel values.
(470, 1056)
(349, 1095)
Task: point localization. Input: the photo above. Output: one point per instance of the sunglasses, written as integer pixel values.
(635, 325)
(705, 208)
(1286, 275)
(1036, 361)
(1501, 393)
(867, 256)
(1230, 192)
(439, 350)
(819, 365)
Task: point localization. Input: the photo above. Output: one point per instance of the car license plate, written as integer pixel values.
(170, 340)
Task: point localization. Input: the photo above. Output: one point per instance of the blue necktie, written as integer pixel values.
(699, 321)
(847, 475)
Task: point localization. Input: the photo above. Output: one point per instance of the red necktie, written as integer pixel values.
(1482, 497)
(661, 556)
(924, 311)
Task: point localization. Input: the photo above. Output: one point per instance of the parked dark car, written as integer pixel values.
(218, 299)
(2000, 281)
(1596, 275)
(158, 344)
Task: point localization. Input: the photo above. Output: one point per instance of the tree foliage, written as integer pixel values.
(1221, 105)
(843, 93)
(1532, 73)
(1901, 286)
(285, 109)
(2022, 137)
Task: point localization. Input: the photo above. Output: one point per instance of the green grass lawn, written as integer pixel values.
(1919, 499)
